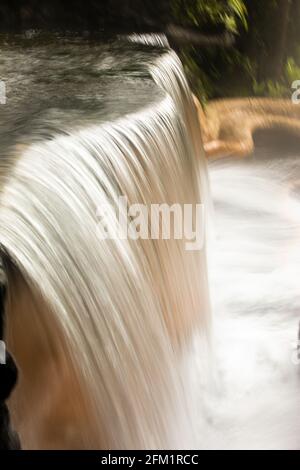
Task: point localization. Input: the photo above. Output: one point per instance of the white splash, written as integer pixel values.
(100, 328)
(253, 401)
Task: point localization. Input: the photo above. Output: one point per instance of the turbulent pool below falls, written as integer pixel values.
(253, 400)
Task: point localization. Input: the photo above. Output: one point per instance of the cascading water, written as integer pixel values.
(99, 328)
(104, 330)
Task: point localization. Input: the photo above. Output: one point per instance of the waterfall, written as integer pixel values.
(99, 328)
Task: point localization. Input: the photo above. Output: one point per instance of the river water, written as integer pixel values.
(253, 400)
(114, 340)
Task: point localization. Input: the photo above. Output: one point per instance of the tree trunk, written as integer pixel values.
(284, 9)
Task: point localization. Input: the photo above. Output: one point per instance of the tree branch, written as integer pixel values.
(181, 35)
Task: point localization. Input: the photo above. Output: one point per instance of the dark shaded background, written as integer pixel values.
(263, 59)
(90, 15)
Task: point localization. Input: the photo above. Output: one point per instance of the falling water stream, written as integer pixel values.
(112, 337)
(99, 328)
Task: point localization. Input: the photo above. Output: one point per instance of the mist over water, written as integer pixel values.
(114, 338)
(254, 266)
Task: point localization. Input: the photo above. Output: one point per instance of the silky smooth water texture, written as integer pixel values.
(100, 329)
(253, 400)
(109, 338)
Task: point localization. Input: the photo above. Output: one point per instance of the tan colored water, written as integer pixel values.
(100, 329)
(112, 336)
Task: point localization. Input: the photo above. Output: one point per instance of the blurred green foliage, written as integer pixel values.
(216, 12)
(263, 60)
(265, 57)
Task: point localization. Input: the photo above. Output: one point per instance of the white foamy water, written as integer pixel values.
(253, 399)
(102, 330)
(99, 327)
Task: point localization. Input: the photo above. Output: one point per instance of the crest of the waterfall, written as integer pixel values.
(100, 327)
(159, 40)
